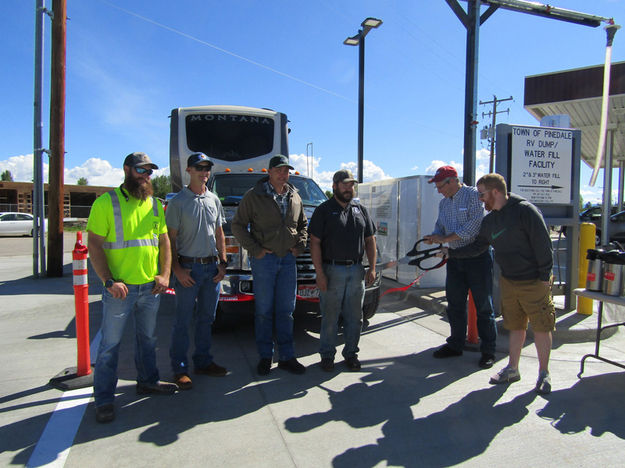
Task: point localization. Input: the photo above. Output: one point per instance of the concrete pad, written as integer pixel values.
(403, 408)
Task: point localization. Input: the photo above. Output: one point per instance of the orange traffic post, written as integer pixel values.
(81, 303)
(472, 321)
(80, 376)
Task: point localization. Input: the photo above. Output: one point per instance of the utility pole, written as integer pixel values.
(494, 113)
(57, 140)
(39, 245)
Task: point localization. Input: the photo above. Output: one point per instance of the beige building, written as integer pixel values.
(18, 196)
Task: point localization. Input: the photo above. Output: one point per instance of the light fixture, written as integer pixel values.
(371, 23)
(353, 41)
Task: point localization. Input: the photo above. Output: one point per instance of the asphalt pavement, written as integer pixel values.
(404, 408)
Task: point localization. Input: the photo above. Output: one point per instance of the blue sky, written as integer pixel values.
(130, 62)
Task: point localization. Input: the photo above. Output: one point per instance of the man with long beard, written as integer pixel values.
(341, 231)
(130, 252)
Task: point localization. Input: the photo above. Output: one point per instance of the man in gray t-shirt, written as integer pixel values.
(194, 223)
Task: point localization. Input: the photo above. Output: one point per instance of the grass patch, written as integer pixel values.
(74, 226)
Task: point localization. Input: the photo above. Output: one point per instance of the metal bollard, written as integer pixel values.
(587, 233)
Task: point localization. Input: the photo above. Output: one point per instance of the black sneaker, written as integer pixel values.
(105, 413)
(292, 366)
(327, 364)
(213, 369)
(352, 363)
(446, 351)
(157, 388)
(264, 366)
(486, 361)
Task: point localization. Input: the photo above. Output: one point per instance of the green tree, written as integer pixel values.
(82, 181)
(329, 193)
(6, 176)
(161, 185)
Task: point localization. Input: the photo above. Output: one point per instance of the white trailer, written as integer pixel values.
(403, 210)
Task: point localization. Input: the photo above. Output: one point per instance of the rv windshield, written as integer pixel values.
(230, 137)
(230, 188)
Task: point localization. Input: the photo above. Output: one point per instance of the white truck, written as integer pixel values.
(241, 141)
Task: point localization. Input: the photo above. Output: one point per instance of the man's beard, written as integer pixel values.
(137, 190)
(345, 197)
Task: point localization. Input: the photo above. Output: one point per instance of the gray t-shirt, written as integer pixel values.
(195, 218)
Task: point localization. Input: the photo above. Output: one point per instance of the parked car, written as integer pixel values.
(168, 197)
(16, 224)
(593, 215)
(616, 228)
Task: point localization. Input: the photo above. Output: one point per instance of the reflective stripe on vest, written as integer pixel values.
(120, 243)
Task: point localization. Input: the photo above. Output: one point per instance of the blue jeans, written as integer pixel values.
(206, 291)
(143, 306)
(475, 274)
(275, 283)
(344, 296)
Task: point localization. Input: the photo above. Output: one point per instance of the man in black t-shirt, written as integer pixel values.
(341, 231)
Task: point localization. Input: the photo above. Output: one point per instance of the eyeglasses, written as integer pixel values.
(202, 168)
(440, 186)
(483, 194)
(143, 170)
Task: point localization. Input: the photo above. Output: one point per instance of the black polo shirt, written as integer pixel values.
(342, 230)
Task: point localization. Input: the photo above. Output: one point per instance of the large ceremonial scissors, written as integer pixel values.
(421, 256)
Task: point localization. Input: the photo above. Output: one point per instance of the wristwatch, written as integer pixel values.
(109, 282)
(223, 262)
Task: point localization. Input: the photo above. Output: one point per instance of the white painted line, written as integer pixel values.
(57, 438)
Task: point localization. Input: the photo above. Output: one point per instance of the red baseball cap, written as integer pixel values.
(443, 173)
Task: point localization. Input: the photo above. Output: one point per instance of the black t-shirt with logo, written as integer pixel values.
(342, 230)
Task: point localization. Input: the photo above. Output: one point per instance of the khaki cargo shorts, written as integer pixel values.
(527, 300)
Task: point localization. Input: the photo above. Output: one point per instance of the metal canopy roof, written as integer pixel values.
(578, 93)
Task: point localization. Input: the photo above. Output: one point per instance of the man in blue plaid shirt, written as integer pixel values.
(460, 215)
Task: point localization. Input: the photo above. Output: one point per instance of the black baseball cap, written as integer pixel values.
(343, 175)
(138, 159)
(279, 161)
(197, 159)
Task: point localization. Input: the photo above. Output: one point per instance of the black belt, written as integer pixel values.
(202, 260)
(342, 262)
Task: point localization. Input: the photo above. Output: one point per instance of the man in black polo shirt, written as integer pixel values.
(340, 232)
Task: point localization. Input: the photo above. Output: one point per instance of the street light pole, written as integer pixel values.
(361, 103)
(359, 40)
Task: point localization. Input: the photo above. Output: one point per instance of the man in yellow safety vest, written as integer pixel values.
(130, 252)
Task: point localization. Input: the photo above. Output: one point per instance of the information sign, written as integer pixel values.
(541, 164)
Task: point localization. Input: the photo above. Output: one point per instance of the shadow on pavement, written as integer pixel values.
(387, 395)
(594, 403)
(40, 286)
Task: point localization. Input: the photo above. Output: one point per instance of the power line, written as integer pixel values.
(225, 51)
